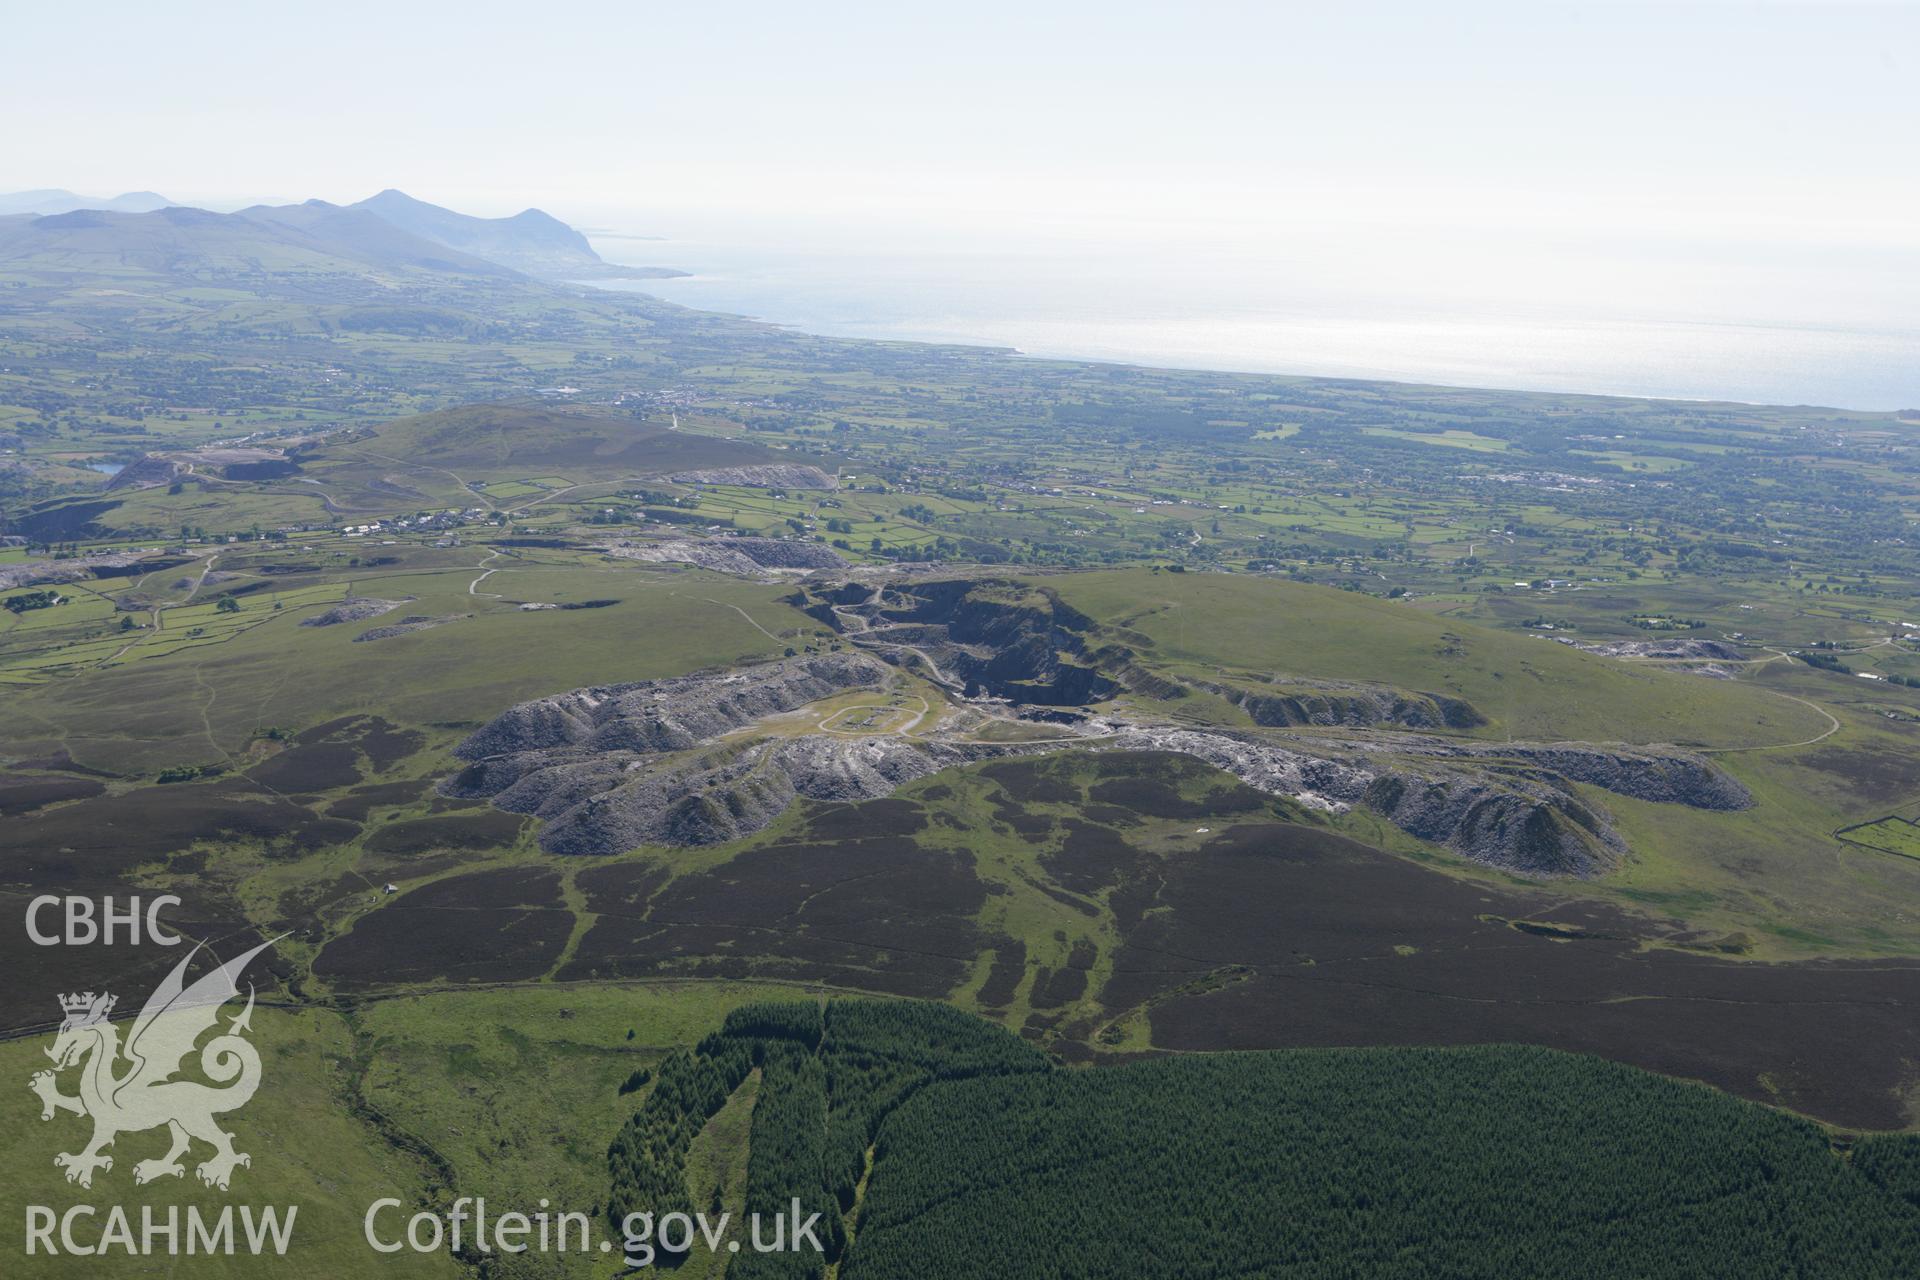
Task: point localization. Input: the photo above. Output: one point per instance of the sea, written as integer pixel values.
(1756, 323)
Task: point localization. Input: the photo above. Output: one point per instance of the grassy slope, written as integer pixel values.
(517, 1091)
(1527, 688)
(204, 703)
(512, 441)
(308, 1150)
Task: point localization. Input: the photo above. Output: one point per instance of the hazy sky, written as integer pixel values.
(1718, 161)
(1754, 119)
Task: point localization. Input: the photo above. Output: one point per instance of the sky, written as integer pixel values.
(1723, 155)
(1760, 119)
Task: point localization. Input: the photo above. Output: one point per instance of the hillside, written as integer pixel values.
(1487, 1162)
(355, 232)
(56, 200)
(183, 243)
(531, 241)
(1526, 687)
(514, 440)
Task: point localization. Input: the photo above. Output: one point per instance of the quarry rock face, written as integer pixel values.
(33, 573)
(1714, 650)
(749, 557)
(1520, 825)
(670, 715)
(614, 801)
(977, 636)
(1328, 704)
(1318, 782)
(352, 609)
(1668, 778)
(781, 475)
(1665, 776)
(613, 767)
(1526, 827)
(1521, 815)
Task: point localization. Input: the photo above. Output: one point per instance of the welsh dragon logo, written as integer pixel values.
(145, 1093)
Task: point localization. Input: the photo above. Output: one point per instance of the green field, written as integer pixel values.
(1895, 835)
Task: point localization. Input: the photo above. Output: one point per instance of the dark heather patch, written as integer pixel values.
(1158, 799)
(882, 914)
(108, 835)
(1038, 1024)
(324, 766)
(1881, 776)
(1346, 945)
(869, 819)
(501, 887)
(1036, 781)
(1091, 859)
(386, 746)
(491, 829)
(61, 762)
(22, 793)
(1003, 979)
(1064, 898)
(1023, 821)
(491, 926)
(36, 974)
(622, 888)
(362, 801)
(1055, 988)
(451, 804)
(301, 908)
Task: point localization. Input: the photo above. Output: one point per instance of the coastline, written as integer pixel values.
(893, 331)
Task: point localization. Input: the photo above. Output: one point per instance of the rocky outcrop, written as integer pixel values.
(1325, 783)
(775, 476)
(988, 637)
(666, 762)
(410, 623)
(1329, 704)
(617, 766)
(228, 462)
(34, 573)
(353, 609)
(1710, 650)
(670, 715)
(150, 472)
(612, 804)
(1523, 825)
(750, 557)
(1665, 777)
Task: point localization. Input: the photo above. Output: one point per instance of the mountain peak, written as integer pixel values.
(532, 240)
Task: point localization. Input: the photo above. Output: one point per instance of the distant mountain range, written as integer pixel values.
(53, 200)
(183, 244)
(391, 231)
(532, 242)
